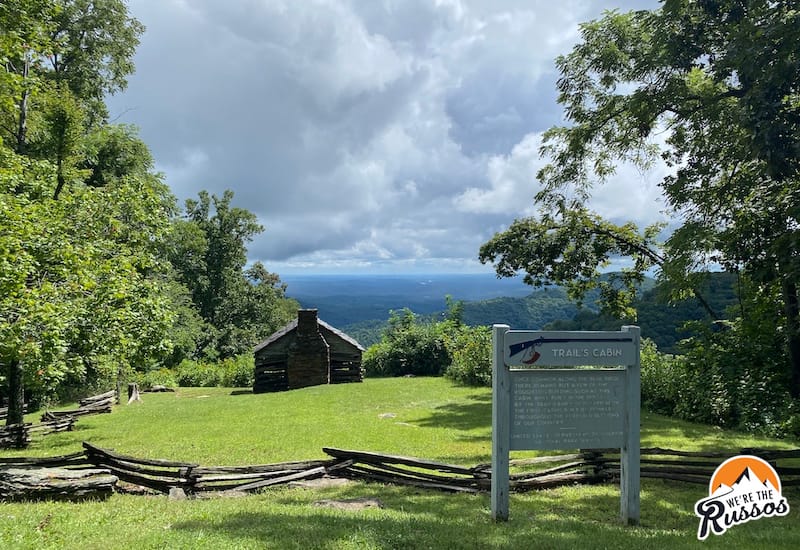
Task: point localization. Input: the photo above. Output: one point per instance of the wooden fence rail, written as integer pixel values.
(19, 435)
(161, 475)
(220, 478)
(4, 411)
(97, 404)
(587, 466)
(110, 396)
(68, 477)
(73, 460)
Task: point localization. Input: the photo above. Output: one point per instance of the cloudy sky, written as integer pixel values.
(369, 136)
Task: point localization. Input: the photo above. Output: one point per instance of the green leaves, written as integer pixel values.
(240, 305)
(81, 47)
(76, 274)
(80, 276)
(721, 81)
(570, 247)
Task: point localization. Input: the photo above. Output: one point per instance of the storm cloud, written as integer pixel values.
(367, 135)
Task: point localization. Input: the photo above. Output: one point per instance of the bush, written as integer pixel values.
(729, 376)
(419, 351)
(197, 374)
(408, 347)
(471, 352)
(233, 372)
(238, 372)
(159, 377)
(737, 378)
(662, 379)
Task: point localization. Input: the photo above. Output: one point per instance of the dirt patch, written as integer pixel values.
(321, 482)
(351, 503)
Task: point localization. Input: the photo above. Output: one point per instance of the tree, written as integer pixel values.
(84, 46)
(24, 40)
(84, 286)
(721, 80)
(94, 43)
(239, 304)
(58, 134)
(112, 152)
(79, 286)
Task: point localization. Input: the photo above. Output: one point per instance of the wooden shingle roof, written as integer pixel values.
(293, 325)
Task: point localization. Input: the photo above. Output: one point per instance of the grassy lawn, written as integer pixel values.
(423, 417)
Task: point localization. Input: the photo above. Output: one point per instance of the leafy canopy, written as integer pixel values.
(239, 304)
(712, 87)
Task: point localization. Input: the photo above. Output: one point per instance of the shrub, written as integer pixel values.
(238, 372)
(662, 379)
(729, 376)
(471, 352)
(197, 374)
(233, 372)
(408, 347)
(159, 377)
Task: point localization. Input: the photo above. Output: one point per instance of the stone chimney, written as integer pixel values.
(309, 354)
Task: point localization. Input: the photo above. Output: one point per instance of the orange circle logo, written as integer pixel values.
(743, 488)
(744, 467)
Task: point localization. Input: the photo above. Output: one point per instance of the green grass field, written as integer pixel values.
(423, 417)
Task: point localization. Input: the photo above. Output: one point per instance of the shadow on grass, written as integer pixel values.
(472, 414)
(574, 518)
(663, 431)
(419, 521)
(242, 392)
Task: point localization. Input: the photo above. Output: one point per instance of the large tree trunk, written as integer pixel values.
(792, 309)
(22, 126)
(16, 396)
(59, 179)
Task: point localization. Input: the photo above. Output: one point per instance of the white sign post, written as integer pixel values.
(545, 408)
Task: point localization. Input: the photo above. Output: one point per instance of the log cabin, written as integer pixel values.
(306, 352)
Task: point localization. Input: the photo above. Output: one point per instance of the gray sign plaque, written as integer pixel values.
(566, 409)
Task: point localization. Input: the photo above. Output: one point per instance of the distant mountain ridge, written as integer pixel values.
(531, 312)
(349, 299)
(360, 305)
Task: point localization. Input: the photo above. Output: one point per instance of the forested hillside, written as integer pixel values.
(551, 309)
(532, 311)
(661, 321)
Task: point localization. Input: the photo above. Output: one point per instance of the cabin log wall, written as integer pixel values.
(292, 357)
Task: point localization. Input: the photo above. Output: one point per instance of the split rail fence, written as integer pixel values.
(20, 435)
(544, 472)
(96, 404)
(4, 411)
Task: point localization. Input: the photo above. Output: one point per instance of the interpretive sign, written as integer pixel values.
(537, 408)
(567, 409)
(568, 349)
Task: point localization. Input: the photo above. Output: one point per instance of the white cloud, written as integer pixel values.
(512, 182)
(365, 134)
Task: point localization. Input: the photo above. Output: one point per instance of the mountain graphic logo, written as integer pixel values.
(743, 488)
(744, 469)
